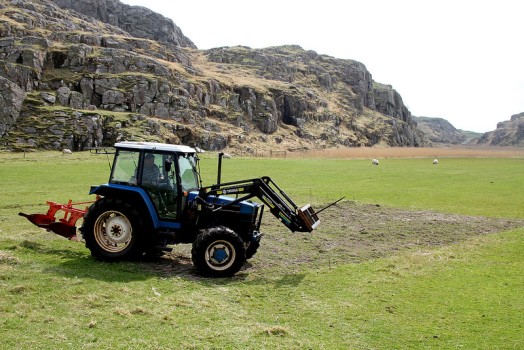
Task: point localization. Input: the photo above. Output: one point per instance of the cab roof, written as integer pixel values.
(154, 146)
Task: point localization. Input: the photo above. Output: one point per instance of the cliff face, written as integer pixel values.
(508, 133)
(440, 131)
(10, 104)
(138, 21)
(389, 102)
(91, 75)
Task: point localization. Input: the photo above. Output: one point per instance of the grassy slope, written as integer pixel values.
(53, 295)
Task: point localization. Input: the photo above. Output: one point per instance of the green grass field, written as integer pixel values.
(490, 186)
(468, 295)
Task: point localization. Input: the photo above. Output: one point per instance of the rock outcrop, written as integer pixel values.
(10, 104)
(440, 131)
(139, 22)
(508, 133)
(389, 102)
(91, 75)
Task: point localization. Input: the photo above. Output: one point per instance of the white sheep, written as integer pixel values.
(374, 161)
(66, 151)
(435, 161)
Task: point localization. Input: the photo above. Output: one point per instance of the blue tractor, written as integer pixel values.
(155, 198)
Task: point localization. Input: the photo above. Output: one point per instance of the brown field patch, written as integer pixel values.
(415, 152)
(349, 233)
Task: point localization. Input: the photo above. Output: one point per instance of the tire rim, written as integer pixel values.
(220, 255)
(113, 231)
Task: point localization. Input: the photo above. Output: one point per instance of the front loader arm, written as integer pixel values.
(279, 204)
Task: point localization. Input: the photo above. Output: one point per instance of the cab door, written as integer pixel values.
(159, 179)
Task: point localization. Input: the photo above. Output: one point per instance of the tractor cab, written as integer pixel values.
(167, 173)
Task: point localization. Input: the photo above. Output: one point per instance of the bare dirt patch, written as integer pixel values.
(381, 230)
(350, 233)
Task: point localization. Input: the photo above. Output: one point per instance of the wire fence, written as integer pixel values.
(263, 154)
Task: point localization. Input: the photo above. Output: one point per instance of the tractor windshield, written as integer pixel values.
(188, 174)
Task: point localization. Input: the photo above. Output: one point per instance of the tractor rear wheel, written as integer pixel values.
(113, 230)
(218, 252)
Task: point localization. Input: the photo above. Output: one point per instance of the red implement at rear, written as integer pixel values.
(64, 226)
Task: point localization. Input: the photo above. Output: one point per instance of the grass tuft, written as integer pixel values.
(276, 331)
(19, 290)
(8, 259)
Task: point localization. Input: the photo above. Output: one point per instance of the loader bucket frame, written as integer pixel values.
(308, 217)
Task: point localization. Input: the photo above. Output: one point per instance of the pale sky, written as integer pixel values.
(461, 60)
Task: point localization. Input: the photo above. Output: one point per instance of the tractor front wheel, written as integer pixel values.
(112, 230)
(218, 252)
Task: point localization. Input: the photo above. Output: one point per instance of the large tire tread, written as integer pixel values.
(213, 237)
(136, 246)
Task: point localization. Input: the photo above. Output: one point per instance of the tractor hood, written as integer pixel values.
(246, 207)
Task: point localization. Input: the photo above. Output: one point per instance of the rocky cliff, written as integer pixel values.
(508, 133)
(87, 73)
(440, 131)
(138, 21)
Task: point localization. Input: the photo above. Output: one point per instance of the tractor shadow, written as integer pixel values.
(76, 262)
(73, 262)
(167, 267)
(178, 267)
(182, 267)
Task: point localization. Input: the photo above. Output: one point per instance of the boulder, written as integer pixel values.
(63, 95)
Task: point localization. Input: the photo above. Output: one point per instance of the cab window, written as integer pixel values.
(124, 168)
